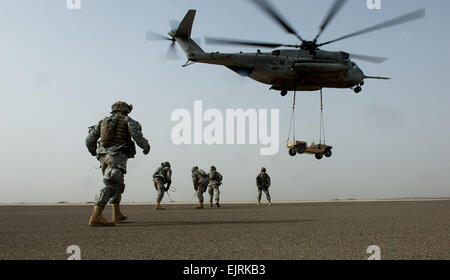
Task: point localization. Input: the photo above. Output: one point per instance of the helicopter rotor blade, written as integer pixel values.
(172, 53)
(373, 59)
(266, 7)
(399, 20)
(222, 41)
(331, 14)
(153, 36)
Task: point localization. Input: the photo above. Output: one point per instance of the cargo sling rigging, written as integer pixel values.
(292, 121)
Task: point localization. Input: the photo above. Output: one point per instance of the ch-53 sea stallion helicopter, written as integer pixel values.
(307, 68)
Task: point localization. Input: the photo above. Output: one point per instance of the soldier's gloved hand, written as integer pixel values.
(169, 183)
(146, 150)
(166, 189)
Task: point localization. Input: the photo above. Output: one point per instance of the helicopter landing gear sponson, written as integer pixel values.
(357, 89)
(283, 92)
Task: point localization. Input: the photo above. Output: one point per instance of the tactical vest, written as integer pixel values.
(263, 180)
(114, 131)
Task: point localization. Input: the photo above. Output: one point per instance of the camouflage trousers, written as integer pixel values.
(114, 168)
(214, 192)
(159, 186)
(266, 192)
(201, 189)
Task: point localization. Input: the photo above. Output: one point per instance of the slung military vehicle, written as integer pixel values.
(301, 147)
(304, 68)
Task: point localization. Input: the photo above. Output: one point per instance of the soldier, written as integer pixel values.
(263, 184)
(162, 175)
(200, 180)
(215, 180)
(113, 150)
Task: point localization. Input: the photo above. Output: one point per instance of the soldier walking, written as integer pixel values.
(116, 146)
(200, 181)
(162, 176)
(215, 180)
(263, 184)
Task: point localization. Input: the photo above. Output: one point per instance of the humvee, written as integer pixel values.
(301, 147)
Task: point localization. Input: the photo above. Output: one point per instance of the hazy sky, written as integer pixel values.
(61, 69)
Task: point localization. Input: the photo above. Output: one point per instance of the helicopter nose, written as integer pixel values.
(359, 74)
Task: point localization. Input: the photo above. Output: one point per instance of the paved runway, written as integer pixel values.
(329, 230)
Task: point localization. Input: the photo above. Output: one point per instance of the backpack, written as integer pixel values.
(202, 173)
(203, 178)
(158, 172)
(108, 127)
(219, 177)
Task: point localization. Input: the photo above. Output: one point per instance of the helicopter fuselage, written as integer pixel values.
(290, 70)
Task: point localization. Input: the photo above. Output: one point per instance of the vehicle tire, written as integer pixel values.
(318, 156)
(283, 92)
(301, 149)
(327, 153)
(292, 152)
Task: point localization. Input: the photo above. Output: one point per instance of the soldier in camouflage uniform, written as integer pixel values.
(215, 180)
(200, 181)
(263, 184)
(113, 151)
(162, 175)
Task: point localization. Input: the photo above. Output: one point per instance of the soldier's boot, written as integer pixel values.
(200, 206)
(158, 206)
(97, 219)
(217, 203)
(117, 216)
(270, 203)
(259, 203)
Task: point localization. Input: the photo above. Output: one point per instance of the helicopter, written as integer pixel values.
(301, 67)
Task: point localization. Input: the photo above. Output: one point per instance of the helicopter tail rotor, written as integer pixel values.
(171, 52)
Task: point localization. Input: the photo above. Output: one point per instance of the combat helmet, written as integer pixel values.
(213, 167)
(194, 168)
(121, 106)
(166, 163)
(263, 169)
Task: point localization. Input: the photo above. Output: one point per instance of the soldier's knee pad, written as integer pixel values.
(114, 175)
